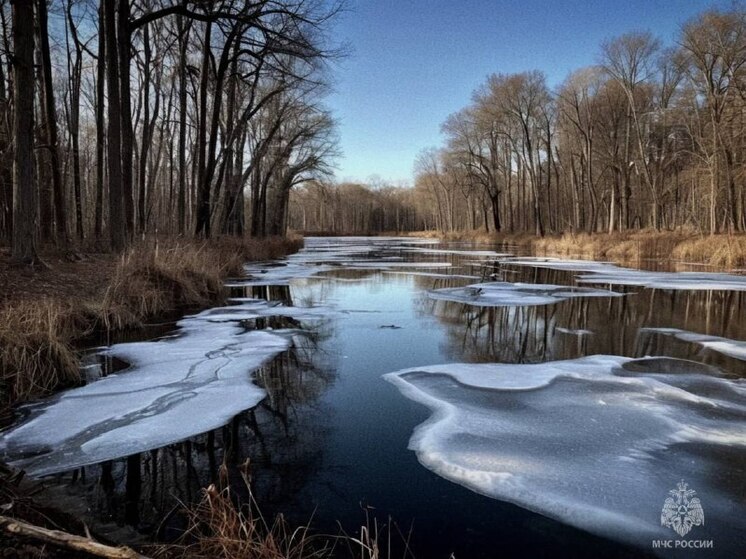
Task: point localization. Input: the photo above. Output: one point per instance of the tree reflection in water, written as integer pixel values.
(586, 326)
(280, 439)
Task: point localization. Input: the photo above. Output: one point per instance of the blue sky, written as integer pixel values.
(414, 62)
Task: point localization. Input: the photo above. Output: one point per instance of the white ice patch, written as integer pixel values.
(431, 275)
(568, 265)
(595, 442)
(610, 274)
(389, 265)
(726, 346)
(462, 252)
(506, 294)
(277, 273)
(573, 331)
(175, 388)
(325, 254)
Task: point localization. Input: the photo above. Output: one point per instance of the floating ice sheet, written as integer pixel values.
(595, 442)
(277, 273)
(324, 254)
(506, 294)
(460, 252)
(431, 275)
(726, 346)
(175, 388)
(574, 331)
(386, 265)
(610, 274)
(569, 265)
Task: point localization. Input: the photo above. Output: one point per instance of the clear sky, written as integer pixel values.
(414, 62)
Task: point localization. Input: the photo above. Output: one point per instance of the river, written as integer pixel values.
(383, 376)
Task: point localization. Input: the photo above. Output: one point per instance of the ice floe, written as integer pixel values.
(573, 331)
(277, 273)
(611, 274)
(174, 388)
(328, 254)
(460, 252)
(726, 346)
(506, 294)
(431, 275)
(596, 442)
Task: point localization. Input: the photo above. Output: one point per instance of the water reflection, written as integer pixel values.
(587, 326)
(275, 443)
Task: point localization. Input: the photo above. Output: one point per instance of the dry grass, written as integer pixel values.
(728, 251)
(38, 330)
(630, 245)
(218, 528)
(723, 251)
(378, 541)
(35, 348)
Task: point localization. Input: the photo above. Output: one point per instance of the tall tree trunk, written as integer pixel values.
(183, 30)
(6, 172)
(123, 39)
(100, 130)
(50, 124)
(146, 131)
(74, 124)
(203, 202)
(25, 195)
(117, 227)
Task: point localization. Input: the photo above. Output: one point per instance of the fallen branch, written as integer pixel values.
(69, 541)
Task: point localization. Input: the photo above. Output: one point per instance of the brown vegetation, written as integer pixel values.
(219, 525)
(43, 316)
(724, 251)
(721, 251)
(218, 528)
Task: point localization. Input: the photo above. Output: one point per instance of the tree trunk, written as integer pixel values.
(50, 125)
(146, 132)
(25, 195)
(203, 203)
(117, 227)
(100, 130)
(74, 123)
(183, 36)
(125, 113)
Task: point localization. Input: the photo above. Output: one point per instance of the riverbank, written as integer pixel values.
(722, 251)
(45, 312)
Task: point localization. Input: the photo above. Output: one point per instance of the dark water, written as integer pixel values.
(330, 440)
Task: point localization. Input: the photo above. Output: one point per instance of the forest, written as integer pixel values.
(653, 136)
(122, 119)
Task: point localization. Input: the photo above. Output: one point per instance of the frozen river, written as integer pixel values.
(495, 404)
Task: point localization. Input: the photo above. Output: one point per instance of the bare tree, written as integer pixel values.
(25, 194)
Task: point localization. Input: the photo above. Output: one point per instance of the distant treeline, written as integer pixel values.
(652, 136)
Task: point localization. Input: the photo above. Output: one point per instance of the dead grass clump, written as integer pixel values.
(716, 250)
(161, 276)
(219, 528)
(39, 326)
(149, 280)
(627, 245)
(35, 352)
